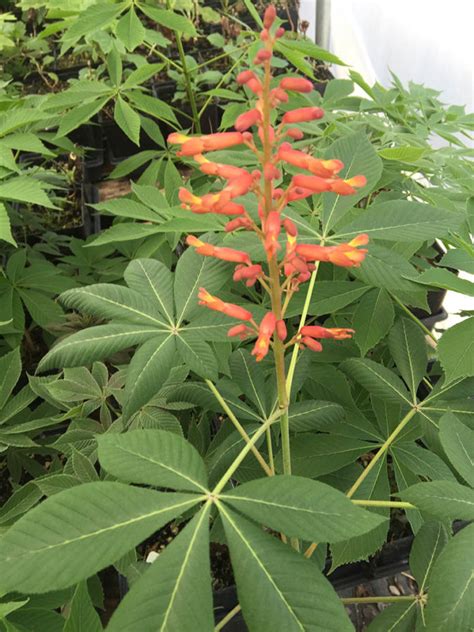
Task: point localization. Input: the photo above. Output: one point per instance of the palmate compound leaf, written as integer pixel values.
(377, 379)
(302, 508)
(174, 594)
(75, 533)
(451, 593)
(154, 457)
(277, 587)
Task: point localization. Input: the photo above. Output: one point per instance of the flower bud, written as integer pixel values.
(245, 76)
(281, 330)
(242, 331)
(262, 56)
(294, 133)
(296, 84)
(302, 115)
(247, 119)
(239, 222)
(269, 16)
(314, 345)
(279, 32)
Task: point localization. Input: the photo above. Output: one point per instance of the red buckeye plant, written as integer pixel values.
(286, 267)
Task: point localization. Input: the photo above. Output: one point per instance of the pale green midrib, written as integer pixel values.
(183, 566)
(387, 383)
(431, 560)
(261, 501)
(162, 465)
(65, 344)
(191, 293)
(385, 228)
(261, 565)
(412, 371)
(104, 530)
(121, 305)
(158, 297)
(144, 368)
(260, 404)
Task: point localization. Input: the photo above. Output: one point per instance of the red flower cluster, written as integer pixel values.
(287, 270)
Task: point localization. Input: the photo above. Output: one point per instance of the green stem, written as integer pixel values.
(241, 456)
(395, 504)
(230, 615)
(375, 599)
(304, 315)
(414, 318)
(268, 470)
(381, 451)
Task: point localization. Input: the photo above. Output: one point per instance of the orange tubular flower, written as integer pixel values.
(295, 133)
(348, 187)
(200, 144)
(229, 309)
(210, 203)
(265, 332)
(322, 168)
(302, 115)
(337, 333)
(296, 84)
(315, 184)
(247, 119)
(225, 254)
(228, 172)
(345, 255)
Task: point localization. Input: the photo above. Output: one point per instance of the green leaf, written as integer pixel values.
(314, 455)
(154, 457)
(10, 371)
(95, 343)
(24, 189)
(458, 443)
(330, 297)
(95, 17)
(173, 181)
(125, 207)
(400, 617)
(359, 157)
(106, 300)
(5, 228)
(442, 499)
(141, 75)
(79, 115)
(403, 154)
(446, 280)
(10, 606)
(459, 259)
(401, 220)
(452, 587)
(428, 544)
(130, 30)
(73, 534)
(372, 319)
(175, 592)
(421, 461)
(197, 354)
(302, 508)
(82, 615)
(114, 66)
(270, 572)
(192, 272)
(127, 231)
(311, 415)
(152, 278)
(456, 350)
(251, 380)
(128, 120)
(407, 345)
(148, 371)
(151, 105)
(377, 379)
(170, 20)
(376, 486)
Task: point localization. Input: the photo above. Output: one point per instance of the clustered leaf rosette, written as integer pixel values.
(272, 148)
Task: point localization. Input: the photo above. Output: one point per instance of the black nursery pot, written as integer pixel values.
(89, 137)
